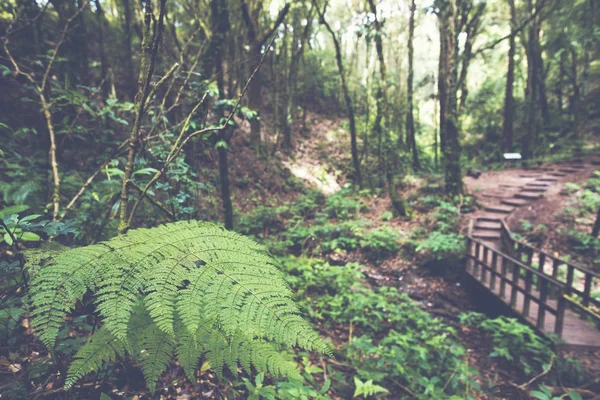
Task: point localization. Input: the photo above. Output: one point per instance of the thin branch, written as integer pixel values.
(156, 203)
(520, 28)
(178, 145)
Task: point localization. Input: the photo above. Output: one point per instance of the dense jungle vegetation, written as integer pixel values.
(250, 199)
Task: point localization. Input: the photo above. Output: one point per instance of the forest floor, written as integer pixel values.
(320, 155)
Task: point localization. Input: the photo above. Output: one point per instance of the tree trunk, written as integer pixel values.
(447, 81)
(509, 101)
(596, 228)
(103, 60)
(128, 62)
(410, 123)
(349, 106)
(392, 159)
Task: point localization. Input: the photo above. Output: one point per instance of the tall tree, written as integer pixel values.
(128, 64)
(348, 99)
(392, 157)
(256, 41)
(410, 123)
(447, 88)
(509, 100)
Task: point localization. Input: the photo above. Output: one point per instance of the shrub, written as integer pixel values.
(380, 243)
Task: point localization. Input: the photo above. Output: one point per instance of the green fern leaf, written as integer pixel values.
(187, 288)
(103, 347)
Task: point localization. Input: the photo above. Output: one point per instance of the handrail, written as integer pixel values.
(575, 265)
(480, 253)
(587, 302)
(520, 264)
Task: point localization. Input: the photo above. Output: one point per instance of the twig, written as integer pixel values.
(179, 144)
(535, 378)
(151, 200)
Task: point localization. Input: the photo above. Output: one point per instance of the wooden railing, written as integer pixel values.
(578, 281)
(506, 277)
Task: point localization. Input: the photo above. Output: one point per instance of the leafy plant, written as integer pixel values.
(367, 388)
(186, 288)
(513, 342)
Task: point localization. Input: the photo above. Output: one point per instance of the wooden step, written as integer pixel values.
(568, 170)
(498, 209)
(560, 174)
(486, 234)
(534, 189)
(488, 226)
(504, 185)
(528, 196)
(538, 184)
(496, 195)
(515, 202)
(490, 218)
(547, 179)
(529, 175)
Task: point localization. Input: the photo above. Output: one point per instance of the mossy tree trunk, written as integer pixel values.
(447, 87)
(410, 123)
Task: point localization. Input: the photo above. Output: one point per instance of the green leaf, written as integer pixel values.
(30, 237)
(30, 217)
(145, 171)
(574, 395)
(13, 210)
(8, 239)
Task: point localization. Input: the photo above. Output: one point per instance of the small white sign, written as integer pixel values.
(512, 156)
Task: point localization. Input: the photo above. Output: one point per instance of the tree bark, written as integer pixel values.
(349, 106)
(447, 80)
(392, 159)
(255, 42)
(509, 101)
(129, 70)
(596, 228)
(103, 60)
(410, 123)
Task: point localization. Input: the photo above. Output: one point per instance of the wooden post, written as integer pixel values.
(494, 271)
(484, 266)
(560, 315)
(587, 288)
(526, 299)
(542, 261)
(515, 284)
(476, 266)
(503, 277)
(541, 317)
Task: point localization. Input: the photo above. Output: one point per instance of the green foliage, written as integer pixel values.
(344, 205)
(544, 393)
(514, 342)
(367, 388)
(442, 246)
(189, 288)
(380, 243)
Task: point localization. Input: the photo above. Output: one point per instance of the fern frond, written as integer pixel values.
(102, 348)
(195, 287)
(240, 350)
(157, 349)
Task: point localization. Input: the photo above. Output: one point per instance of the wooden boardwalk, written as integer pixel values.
(551, 294)
(544, 302)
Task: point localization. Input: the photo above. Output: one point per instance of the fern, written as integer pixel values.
(187, 288)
